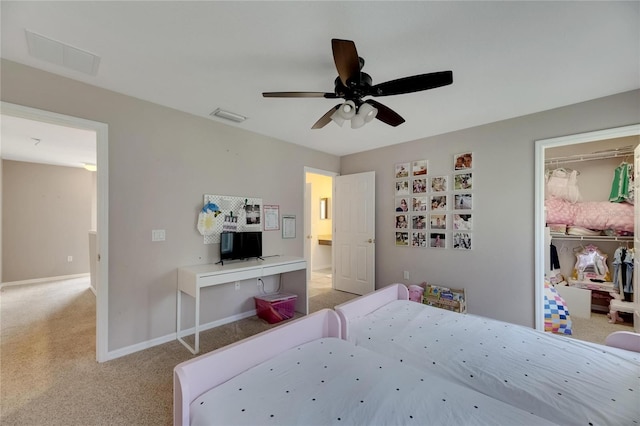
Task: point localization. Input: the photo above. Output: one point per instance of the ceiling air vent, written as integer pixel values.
(58, 53)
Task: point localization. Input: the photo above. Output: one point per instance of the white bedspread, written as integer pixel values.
(563, 380)
(332, 382)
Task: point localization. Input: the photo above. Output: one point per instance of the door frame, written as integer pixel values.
(307, 211)
(102, 207)
(540, 247)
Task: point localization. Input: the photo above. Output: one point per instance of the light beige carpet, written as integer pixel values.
(48, 372)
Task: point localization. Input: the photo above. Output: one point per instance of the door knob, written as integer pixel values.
(371, 240)
(309, 237)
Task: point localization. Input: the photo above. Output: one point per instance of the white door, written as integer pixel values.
(354, 235)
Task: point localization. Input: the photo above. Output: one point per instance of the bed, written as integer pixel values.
(563, 380)
(303, 373)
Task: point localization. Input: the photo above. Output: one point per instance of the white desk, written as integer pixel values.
(191, 279)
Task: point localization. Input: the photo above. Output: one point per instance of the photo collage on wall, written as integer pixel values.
(434, 211)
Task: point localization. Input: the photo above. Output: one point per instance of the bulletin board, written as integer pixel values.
(236, 214)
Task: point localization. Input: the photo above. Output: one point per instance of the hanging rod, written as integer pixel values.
(586, 157)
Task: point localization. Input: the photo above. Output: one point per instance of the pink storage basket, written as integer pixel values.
(276, 307)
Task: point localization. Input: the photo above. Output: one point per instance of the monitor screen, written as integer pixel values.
(251, 244)
(240, 245)
(229, 245)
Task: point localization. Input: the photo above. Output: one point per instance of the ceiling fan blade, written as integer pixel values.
(346, 59)
(325, 119)
(299, 95)
(414, 83)
(386, 114)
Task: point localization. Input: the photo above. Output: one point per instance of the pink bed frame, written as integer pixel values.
(361, 306)
(624, 340)
(194, 377)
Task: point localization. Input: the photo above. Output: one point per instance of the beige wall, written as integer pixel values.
(499, 272)
(46, 218)
(161, 162)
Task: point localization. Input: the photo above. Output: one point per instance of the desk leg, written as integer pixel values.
(197, 322)
(178, 322)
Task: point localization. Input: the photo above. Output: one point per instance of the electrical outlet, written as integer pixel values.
(237, 285)
(406, 275)
(69, 258)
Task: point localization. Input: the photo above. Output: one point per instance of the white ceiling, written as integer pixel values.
(508, 58)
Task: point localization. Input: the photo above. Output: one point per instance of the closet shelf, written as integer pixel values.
(590, 238)
(622, 152)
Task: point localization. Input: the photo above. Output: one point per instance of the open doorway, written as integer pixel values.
(318, 250)
(589, 162)
(100, 132)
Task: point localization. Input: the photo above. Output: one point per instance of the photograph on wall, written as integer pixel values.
(419, 167)
(401, 221)
(418, 239)
(463, 161)
(462, 181)
(402, 239)
(419, 204)
(419, 185)
(438, 202)
(418, 222)
(438, 221)
(402, 170)
(437, 240)
(462, 240)
(463, 202)
(462, 222)
(252, 214)
(402, 187)
(439, 184)
(402, 205)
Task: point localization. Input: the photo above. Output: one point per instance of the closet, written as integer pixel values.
(578, 185)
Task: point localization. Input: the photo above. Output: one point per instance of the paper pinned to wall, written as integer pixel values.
(239, 213)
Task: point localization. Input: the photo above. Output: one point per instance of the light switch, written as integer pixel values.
(158, 235)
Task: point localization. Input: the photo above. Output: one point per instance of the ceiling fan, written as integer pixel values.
(353, 85)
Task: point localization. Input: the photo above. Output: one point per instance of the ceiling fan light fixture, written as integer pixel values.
(347, 110)
(337, 118)
(357, 121)
(368, 112)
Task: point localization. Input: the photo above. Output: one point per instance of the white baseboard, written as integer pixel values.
(43, 280)
(173, 336)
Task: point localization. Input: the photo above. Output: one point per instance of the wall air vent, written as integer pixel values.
(58, 53)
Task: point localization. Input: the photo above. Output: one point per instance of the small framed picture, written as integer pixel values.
(437, 240)
(418, 239)
(419, 186)
(462, 181)
(401, 221)
(438, 221)
(402, 187)
(462, 240)
(419, 168)
(439, 184)
(463, 202)
(402, 205)
(419, 204)
(418, 221)
(438, 202)
(402, 239)
(462, 222)
(463, 161)
(402, 170)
